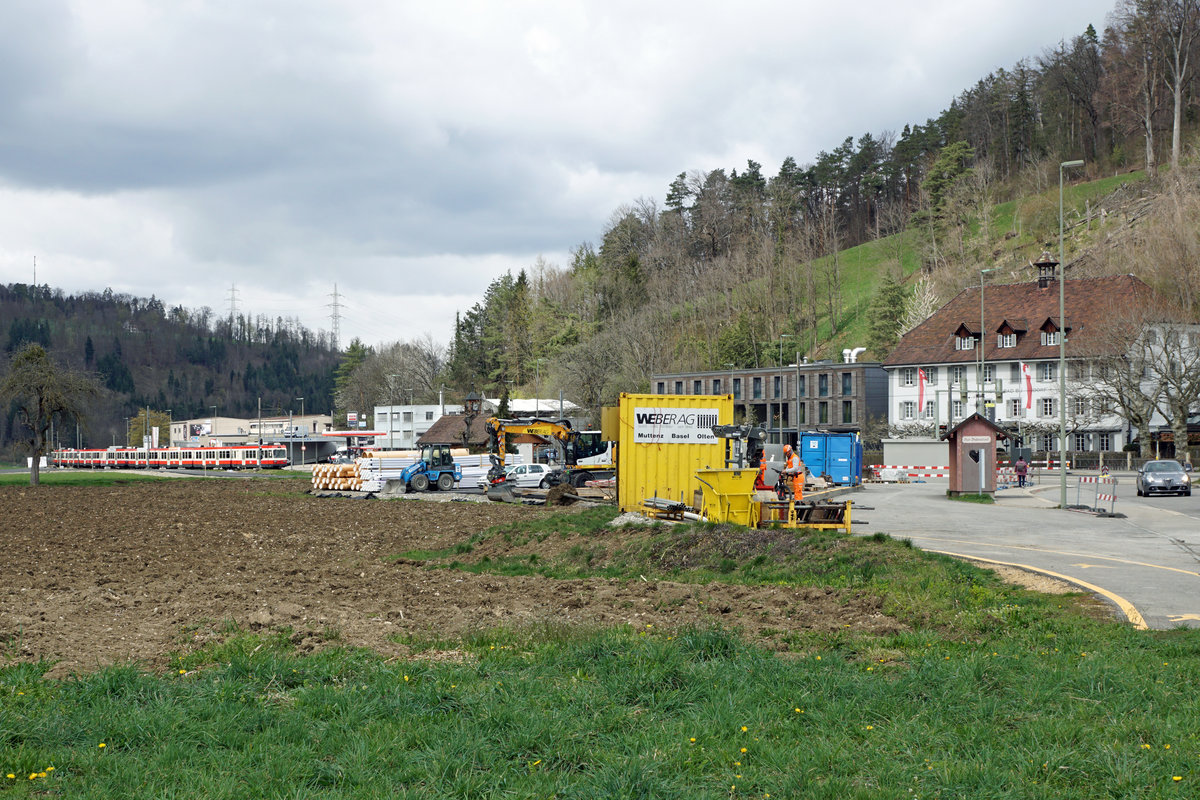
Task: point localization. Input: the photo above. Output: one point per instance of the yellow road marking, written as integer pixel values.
(1183, 617)
(1092, 566)
(1193, 573)
(1127, 608)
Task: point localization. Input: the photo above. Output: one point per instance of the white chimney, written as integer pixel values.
(846, 355)
(854, 354)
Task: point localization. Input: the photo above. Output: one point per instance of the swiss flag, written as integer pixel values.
(920, 391)
(1028, 385)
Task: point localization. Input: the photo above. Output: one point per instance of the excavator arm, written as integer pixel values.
(560, 434)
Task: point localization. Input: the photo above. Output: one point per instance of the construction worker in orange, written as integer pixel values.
(795, 467)
(761, 483)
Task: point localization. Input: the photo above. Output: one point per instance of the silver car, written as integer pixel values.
(1165, 477)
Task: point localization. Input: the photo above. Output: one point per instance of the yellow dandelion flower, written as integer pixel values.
(744, 729)
(737, 763)
(1145, 747)
(183, 672)
(102, 744)
(1166, 747)
(41, 774)
(32, 776)
(870, 669)
(406, 679)
(737, 776)
(692, 739)
(743, 749)
(798, 711)
(49, 769)
(1176, 777)
(10, 775)
(818, 658)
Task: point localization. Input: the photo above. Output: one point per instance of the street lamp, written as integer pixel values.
(1062, 344)
(537, 381)
(982, 331)
(304, 442)
(729, 366)
(782, 381)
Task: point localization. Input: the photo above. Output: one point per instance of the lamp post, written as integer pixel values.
(782, 381)
(537, 382)
(729, 366)
(982, 330)
(1062, 345)
(304, 441)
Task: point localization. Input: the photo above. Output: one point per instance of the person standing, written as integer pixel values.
(794, 467)
(1021, 467)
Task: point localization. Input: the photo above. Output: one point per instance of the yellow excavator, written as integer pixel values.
(561, 435)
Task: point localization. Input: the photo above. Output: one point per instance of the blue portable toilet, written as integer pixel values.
(838, 455)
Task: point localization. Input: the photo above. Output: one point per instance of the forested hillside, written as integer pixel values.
(145, 354)
(743, 266)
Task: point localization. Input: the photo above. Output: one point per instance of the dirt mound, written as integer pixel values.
(97, 575)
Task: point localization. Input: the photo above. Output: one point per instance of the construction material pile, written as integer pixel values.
(340, 477)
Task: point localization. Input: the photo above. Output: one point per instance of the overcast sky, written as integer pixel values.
(410, 152)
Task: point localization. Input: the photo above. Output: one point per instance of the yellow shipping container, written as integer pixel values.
(663, 440)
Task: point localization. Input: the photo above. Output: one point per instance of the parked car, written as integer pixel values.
(483, 479)
(529, 476)
(1165, 476)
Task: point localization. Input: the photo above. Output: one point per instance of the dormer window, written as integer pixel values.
(1050, 338)
(964, 342)
(1006, 340)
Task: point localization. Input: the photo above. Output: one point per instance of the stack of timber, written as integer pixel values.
(340, 477)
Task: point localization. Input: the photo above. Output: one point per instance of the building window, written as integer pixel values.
(697, 387)
(847, 412)
(958, 374)
(1014, 372)
(801, 413)
(1014, 408)
(908, 376)
(1079, 406)
(802, 387)
(777, 385)
(989, 373)
(758, 388)
(662, 387)
(1047, 371)
(823, 385)
(1006, 340)
(716, 385)
(931, 375)
(957, 409)
(407, 416)
(1151, 336)
(1048, 442)
(737, 388)
(1050, 338)
(929, 409)
(964, 343)
(1077, 371)
(428, 416)
(1047, 406)
(1081, 442)
(908, 410)
(1105, 441)
(823, 412)
(678, 387)
(847, 383)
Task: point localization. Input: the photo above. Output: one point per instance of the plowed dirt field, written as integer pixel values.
(143, 571)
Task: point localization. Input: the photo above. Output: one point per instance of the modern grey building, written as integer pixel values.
(806, 396)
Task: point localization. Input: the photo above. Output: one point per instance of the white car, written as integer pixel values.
(529, 476)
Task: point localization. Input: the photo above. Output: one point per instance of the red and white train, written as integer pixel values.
(272, 456)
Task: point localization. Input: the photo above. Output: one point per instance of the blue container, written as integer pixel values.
(839, 455)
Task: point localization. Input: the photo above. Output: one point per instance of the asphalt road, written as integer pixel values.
(1146, 561)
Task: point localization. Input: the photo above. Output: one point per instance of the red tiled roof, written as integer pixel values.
(1088, 302)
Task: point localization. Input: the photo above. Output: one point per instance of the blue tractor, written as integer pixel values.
(435, 468)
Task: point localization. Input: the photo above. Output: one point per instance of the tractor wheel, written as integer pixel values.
(445, 481)
(420, 483)
(580, 479)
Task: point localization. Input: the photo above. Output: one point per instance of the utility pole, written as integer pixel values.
(336, 317)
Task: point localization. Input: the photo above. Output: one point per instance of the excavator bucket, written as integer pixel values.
(501, 493)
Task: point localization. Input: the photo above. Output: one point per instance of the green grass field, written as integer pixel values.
(992, 692)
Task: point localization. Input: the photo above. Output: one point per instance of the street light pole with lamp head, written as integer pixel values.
(782, 382)
(1062, 343)
(982, 358)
